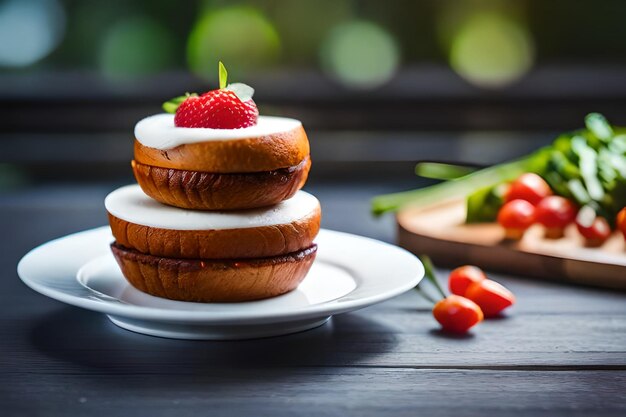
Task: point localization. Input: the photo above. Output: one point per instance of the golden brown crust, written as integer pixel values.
(263, 153)
(254, 242)
(211, 191)
(214, 281)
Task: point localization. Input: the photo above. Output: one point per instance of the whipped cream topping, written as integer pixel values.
(129, 203)
(159, 131)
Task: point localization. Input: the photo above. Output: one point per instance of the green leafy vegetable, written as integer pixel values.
(588, 165)
(599, 126)
(587, 160)
(483, 204)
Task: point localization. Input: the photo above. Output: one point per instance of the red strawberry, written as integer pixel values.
(217, 109)
(230, 107)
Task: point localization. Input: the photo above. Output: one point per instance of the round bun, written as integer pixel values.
(214, 281)
(211, 191)
(210, 256)
(267, 152)
(240, 243)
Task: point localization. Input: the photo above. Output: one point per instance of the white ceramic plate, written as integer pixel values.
(350, 272)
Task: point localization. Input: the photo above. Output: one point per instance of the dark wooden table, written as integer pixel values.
(561, 350)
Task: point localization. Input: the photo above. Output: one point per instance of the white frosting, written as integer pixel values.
(131, 204)
(159, 132)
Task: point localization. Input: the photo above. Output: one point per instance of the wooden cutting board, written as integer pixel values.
(440, 232)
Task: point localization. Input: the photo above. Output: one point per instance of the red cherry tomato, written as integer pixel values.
(555, 213)
(490, 296)
(457, 314)
(621, 221)
(593, 228)
(516, 216)
(460, 278)
(530, 187)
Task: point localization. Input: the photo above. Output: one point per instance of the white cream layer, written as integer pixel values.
(131, 204)
(159, 132)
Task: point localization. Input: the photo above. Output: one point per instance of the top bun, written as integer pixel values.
(221, 169)
(272, 144)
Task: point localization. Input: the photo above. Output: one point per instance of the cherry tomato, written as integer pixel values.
(555, 213)
(461, 277)
(593, 228)
(621, 221)
(457, 314)
(490, 296)
(530, 187)
(516, 216)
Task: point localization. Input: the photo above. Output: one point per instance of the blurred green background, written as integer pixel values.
(378, 84)
(358, 44)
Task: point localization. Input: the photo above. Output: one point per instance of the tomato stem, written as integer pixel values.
(429, 274)
(425, 295)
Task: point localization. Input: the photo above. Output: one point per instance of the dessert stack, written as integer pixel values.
(217, 215)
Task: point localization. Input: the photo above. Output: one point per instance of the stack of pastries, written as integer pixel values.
(217, 215)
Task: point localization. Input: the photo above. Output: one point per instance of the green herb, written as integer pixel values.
(576, 190)
(599, 126)
(243, 91)
(223, 74)
(172, 105)
(483, 204)
(587, 160)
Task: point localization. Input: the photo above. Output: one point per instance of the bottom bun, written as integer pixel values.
(214, 280)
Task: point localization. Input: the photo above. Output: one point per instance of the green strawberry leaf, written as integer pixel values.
(223, 75)
(171, 106)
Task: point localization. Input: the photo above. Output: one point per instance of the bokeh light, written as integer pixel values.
(29, 30)
(360, 54)
(242, 37)
(491, 50)
(303, 25)
(135, 46)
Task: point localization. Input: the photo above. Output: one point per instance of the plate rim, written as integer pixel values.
(332, 307)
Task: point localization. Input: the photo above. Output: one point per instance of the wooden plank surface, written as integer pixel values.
(440, 231)
(560, 351)
(328, 392)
